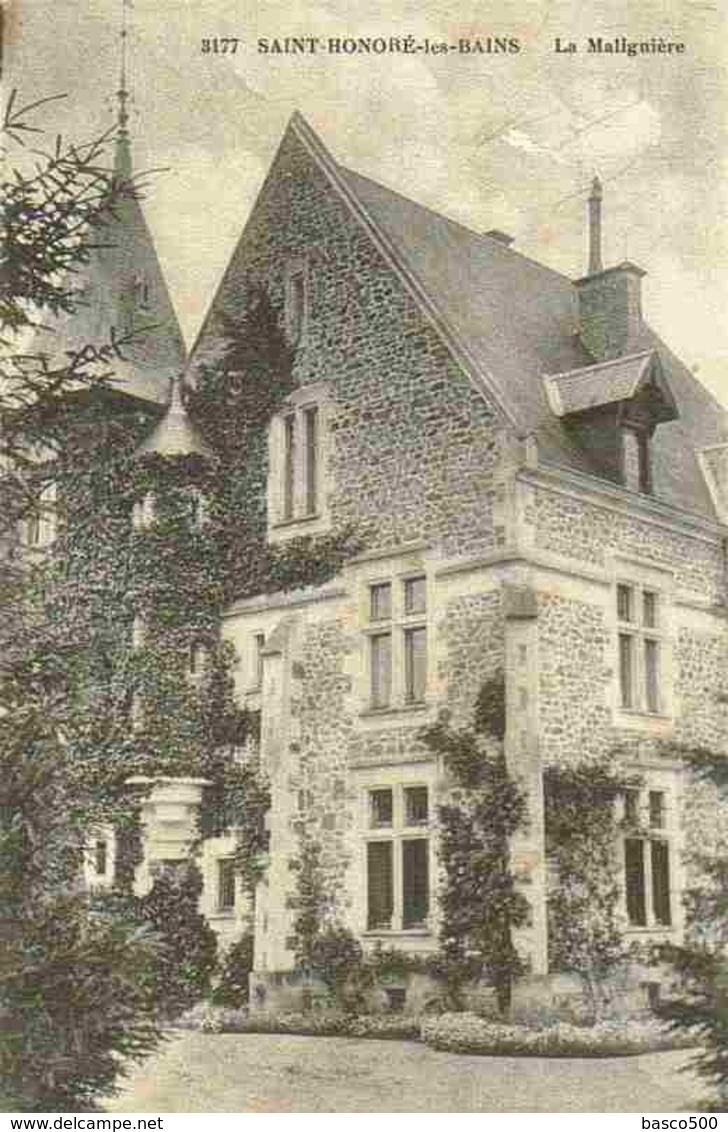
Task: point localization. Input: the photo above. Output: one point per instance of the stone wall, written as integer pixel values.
(574, 714)
(590, 533)
(414, 446)
(472, 631)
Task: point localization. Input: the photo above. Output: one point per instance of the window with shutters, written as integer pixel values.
(396, 637)
(648, 858)
(398, 872)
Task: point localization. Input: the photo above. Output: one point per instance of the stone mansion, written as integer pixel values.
(544, 488)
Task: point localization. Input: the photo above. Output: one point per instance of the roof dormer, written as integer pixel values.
(612, 410)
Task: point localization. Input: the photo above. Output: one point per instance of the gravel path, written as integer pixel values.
(197, 1072)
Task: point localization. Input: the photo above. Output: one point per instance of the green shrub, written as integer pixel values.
(188, 945)
(232, 987)
(74, 998)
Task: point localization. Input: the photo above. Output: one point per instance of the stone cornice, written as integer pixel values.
(618, 500)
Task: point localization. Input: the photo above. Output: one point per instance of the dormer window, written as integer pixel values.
(611, 411)
(636, 472)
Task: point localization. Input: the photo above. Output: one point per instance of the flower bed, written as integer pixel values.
(455, 1033)
(218, 1020)
(468, 1033)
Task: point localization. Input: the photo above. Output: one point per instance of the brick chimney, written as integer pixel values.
(610, 301)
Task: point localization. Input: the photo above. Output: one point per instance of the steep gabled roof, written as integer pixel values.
(509, 321)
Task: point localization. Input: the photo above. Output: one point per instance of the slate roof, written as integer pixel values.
(510, 321)
(175, 434)
(607, 383)
(121, 258)
(519, 321)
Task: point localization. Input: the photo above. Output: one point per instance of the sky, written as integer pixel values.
(507, 141)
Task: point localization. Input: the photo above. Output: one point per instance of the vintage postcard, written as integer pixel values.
(395, 574)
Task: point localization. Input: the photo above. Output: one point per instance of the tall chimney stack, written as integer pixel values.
(595, 228)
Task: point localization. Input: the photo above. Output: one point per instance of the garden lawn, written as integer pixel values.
(197, 1072)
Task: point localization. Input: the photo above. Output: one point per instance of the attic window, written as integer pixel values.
(636, 471)
(296, 302)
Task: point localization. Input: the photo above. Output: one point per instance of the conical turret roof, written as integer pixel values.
(122, 286)
(175, 434)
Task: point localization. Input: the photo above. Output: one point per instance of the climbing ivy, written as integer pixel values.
(479, 900)
(581, 825)
(126, 609)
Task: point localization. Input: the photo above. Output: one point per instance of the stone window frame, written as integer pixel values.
(398, 780)
(397, 626)
(290, 508)
(638, 824)
(641, 579)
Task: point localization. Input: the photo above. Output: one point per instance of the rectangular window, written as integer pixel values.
(415, 883)
(289, 466)
(296, 305)
(660, 882)
(626, 669)
(634, 865)
(101, 855)
(636, 472)
(380, 809)
(381, 669)
(631, 807)
(638, 639)
(415, 665)
(414, 595)
(196, 659)
(649, 609)
(225, 884)
(310, 417)
(380, 603)
(647, 861)
(258, 646)
(652, 675)
(657, 809)
(415, 805)
(398, 661)
(397, 860)
(380, 886)
(32, 528)
(624, 602)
